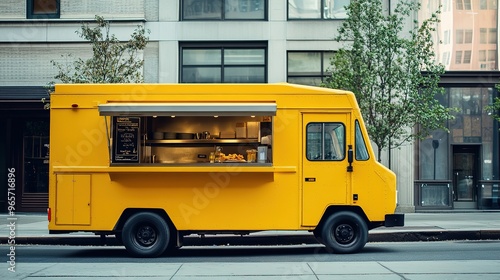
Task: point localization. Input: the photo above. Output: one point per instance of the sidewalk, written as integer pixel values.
(31, 228)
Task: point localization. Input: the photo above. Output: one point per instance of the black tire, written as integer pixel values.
(146, 235)
(344, 233)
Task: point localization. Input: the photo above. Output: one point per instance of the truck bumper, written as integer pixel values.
(394, 220)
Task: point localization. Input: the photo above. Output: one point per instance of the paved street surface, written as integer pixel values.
(30, 228)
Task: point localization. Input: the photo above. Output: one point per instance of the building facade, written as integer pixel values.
(460, 169)
(253, 41)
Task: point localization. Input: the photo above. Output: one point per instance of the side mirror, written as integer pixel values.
(350, 158)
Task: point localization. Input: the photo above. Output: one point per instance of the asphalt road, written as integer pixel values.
(384, 251)
(458, 260)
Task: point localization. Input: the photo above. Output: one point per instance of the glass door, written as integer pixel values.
(35, 163)
(465, 174)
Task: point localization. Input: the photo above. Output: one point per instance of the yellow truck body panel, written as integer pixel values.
(101, 166)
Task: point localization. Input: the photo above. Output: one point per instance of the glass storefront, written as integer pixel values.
(459, 169)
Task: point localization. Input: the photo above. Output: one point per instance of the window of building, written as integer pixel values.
(482, 55)
(325, 141)
(41, 9)
(488, 4)
(458, 57)
(467, 5)
(446, 58)
(483, 35)
(488, 35)
(308, 68)
(446, 5)
(433, 151)
(224, 9)
(492, 35)
(232, 63)
(483, 4)
(467, 57)
(492, 55)
(464, 57)
(464, 5)
(446, 39)
(463, 36)
(317, 9)
(468, 36)
(459, 36)
(492, 4)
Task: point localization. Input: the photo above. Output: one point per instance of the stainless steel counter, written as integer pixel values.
(198, 164)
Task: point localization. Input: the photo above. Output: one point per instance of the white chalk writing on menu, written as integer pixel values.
(126, 135)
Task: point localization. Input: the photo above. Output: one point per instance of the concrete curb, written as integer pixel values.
(264, 240)
(434, 235)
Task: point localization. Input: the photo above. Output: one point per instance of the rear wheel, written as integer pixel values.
(344, 233)
(146, 235)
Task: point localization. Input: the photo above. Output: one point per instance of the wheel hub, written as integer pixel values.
(146, 235)
(344, 233)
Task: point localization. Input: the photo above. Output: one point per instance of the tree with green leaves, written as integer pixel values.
(494, 109)
(112, 61)
(391, 71)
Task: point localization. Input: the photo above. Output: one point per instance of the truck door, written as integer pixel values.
(73, 199)
(324, 177)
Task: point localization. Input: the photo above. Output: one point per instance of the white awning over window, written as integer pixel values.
(187, 109)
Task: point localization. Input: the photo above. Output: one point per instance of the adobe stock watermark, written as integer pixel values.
(202, 197)
(92, 138)
(11, 218)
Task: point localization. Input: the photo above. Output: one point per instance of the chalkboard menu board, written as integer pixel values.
(126, 139)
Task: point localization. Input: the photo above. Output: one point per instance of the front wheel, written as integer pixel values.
(344, 233)
(146, 235)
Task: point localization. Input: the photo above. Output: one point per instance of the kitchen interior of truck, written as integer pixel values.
(189, 133)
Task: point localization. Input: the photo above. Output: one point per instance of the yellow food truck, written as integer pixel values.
(152, 163)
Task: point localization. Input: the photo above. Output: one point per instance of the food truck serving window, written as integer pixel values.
(187, 109)
(188, 132)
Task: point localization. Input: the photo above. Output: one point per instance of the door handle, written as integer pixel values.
(350, 158)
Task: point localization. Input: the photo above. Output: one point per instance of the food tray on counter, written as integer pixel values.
(203, 141)
(234, 161)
